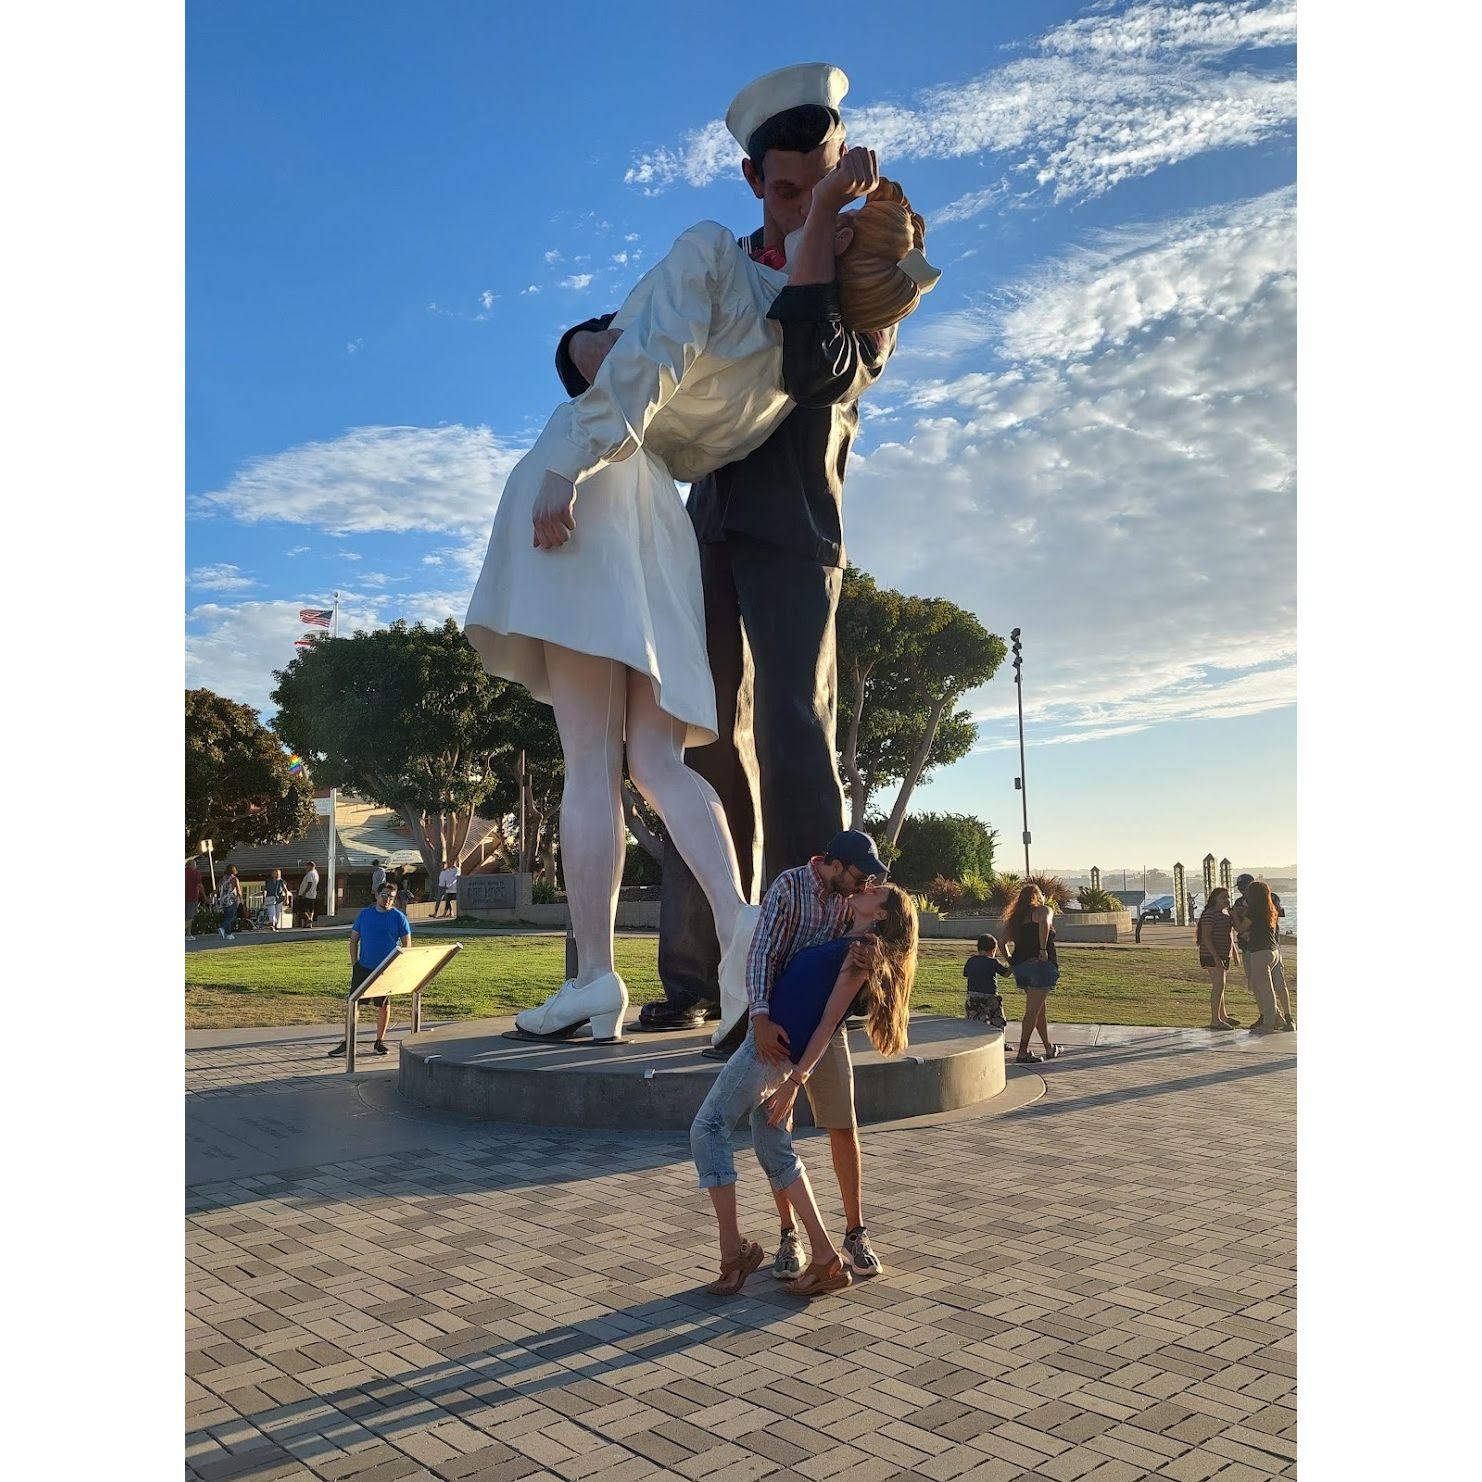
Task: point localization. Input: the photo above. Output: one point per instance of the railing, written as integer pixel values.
(406, 970)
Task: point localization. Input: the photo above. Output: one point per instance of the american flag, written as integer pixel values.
(304, 642)
(317, 617)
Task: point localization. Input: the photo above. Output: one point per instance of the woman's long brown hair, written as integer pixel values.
(888, 991)
(1017, 915)
(1259, 903)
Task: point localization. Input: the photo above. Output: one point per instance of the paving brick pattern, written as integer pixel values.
(1097, 1287)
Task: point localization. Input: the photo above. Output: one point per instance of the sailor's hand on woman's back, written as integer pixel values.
(552, 514)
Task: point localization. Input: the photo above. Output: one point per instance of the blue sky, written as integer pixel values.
(393, 210)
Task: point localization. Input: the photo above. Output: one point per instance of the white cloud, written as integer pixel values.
(221, 577)
(1203, 28)
(553, 255)
(577, 280)
(1123, 488)
(1116, 94)
(374, 478)
(702, 155)
(487, 297)
(532, 288)
(965, 207)
(353, 346)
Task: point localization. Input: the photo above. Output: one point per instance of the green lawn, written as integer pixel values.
(306, 982)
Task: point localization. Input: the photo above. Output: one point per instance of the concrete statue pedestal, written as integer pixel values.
(657, 1081)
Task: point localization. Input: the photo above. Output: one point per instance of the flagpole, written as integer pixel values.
(334, 900)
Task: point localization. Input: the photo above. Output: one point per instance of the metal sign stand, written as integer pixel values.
(405, 970)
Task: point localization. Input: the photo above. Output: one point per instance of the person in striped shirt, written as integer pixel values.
(806, 907)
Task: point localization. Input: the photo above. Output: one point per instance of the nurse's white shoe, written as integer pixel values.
(602, 1003)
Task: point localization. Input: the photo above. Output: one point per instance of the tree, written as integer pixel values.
(904, 663)
(407, 717)
(238, 789)
(527, 731)
(952, 845)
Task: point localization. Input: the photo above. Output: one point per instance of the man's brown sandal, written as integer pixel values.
(733, 1273)
(820, 1277)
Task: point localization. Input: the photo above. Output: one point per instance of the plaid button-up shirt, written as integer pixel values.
(798, 911)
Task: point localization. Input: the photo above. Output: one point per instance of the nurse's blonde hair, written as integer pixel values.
(876, 289)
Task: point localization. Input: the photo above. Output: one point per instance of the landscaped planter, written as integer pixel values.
(1070, 926)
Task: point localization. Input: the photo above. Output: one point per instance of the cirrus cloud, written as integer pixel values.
(374, 478)
(1116, 94)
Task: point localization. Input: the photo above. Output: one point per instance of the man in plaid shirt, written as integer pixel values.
(806, 907)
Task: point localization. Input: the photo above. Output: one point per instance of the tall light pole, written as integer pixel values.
(1019, 780)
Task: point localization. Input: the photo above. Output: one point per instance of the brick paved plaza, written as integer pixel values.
(1097, 1285)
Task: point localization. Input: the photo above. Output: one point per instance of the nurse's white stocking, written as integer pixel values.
(589, 697)
(691, 811)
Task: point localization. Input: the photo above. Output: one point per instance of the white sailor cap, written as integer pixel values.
(788, 87)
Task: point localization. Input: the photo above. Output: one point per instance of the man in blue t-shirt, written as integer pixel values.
(378, 931)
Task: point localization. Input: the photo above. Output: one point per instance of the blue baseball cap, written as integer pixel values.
(857, 849)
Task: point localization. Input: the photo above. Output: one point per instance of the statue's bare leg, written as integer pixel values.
(589, 697)
(696, 824)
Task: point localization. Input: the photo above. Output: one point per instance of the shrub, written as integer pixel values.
(945, 894)
(542, 892)
(1003, 889)
(976, 892)
(1093, 898)
(640, 867)
(952, 845)
(1006, 887)
(207, 919)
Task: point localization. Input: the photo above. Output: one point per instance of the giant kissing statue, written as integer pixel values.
(590, 594)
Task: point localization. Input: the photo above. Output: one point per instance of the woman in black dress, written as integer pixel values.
(1029, 935)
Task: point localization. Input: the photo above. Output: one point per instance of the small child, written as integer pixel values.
(982, 971)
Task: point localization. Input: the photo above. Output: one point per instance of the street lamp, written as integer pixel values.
(1019, 780)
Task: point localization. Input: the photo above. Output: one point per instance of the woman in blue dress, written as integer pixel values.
(811, 998)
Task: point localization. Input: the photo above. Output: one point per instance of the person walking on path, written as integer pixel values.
(274, 892)
(447, 889)
(1029, 933)
(193, 892)
(1217, 950)
(378, 931)
(229, 902)
(807, 1006)
(308, 896)
(378, 878)
(982, 971)
(1278, 972)
(1257, 923)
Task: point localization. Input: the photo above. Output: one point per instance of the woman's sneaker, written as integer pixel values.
(858, 1253)
(789, 1263)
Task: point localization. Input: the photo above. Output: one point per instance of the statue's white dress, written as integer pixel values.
(695, 382)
